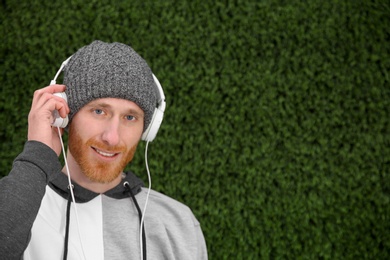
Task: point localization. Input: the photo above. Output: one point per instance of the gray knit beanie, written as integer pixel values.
(109, 70)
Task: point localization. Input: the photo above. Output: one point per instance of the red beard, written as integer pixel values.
(92, 168)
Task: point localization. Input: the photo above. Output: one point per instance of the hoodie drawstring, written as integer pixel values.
(67, 226)
(127, 187)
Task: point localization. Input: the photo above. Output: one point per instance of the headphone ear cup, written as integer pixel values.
(151, 132)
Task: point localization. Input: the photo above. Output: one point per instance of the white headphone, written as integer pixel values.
(151, 132)
(154, 125)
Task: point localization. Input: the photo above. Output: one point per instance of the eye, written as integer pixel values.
(130, 117)
(98, 111)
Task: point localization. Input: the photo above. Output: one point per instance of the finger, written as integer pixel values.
(62, 107)
(49, 89)
(49, 102)
(56, 103)
(65, 108)
(54, 88)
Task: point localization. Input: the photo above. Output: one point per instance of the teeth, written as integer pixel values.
(105, 154)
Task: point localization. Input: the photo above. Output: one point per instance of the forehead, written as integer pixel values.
(117, 104)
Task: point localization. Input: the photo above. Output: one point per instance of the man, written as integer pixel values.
(111, 96)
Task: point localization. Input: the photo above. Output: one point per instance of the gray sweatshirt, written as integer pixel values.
(35, 201)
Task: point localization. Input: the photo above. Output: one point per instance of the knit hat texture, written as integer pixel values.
(109, 70)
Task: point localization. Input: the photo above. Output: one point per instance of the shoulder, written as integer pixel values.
(171, 228)
(165, 207)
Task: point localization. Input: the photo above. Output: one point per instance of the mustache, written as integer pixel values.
(104, 147)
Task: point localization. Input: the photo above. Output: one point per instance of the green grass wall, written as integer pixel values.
(277, 128)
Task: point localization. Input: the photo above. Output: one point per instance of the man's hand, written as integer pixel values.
(41, 117)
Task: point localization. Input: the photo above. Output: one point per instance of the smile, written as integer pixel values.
(105, 153)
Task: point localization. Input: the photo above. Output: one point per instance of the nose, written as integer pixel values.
(110, 135)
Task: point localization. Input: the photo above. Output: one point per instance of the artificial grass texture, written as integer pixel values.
(276, 131)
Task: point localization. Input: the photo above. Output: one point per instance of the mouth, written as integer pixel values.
(104, 154)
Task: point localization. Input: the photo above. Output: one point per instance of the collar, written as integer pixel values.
(59, 184)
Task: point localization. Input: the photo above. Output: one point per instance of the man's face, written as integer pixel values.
(103, 137)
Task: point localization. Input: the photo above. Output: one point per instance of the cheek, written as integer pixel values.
(131, 136)
(129, 156)
(75, 140)
(84, 130)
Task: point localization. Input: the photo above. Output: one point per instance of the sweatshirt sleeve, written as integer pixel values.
(202, 248)
(21, 193)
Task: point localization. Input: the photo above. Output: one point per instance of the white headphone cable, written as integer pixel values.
(146, 201)
(71, 192)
